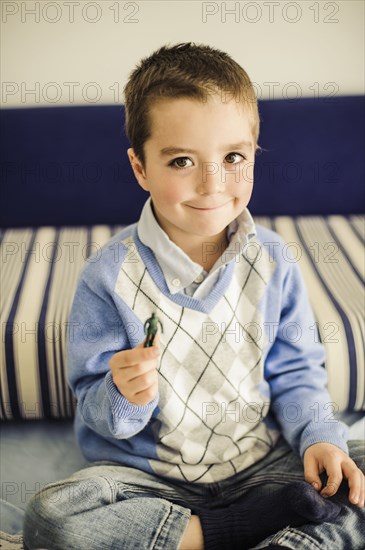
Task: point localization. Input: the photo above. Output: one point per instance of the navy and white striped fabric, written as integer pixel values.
(40, 269)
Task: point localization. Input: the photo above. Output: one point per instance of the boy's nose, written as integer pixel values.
(211, 180)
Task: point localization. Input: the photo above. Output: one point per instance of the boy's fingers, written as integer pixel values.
(356, 481)
(136, 371)
(138, 385)
(145, 396)
(333, 482)
(311, 473)
(128, 358)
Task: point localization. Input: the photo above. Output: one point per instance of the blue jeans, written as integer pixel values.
(108, 506)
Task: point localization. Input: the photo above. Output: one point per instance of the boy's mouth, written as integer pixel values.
(207, 207)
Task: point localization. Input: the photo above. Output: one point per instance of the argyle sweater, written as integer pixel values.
(236, 368)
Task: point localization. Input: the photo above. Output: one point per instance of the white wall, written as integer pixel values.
(289, 49)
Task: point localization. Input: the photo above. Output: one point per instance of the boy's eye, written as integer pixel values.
(234, 155)
(179, 162)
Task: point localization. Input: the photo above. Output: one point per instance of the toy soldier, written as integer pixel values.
(151, 331)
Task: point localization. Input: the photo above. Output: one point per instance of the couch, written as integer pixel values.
(67, 187)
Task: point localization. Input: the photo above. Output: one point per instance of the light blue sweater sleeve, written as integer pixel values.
(95, 334)
(298, 380)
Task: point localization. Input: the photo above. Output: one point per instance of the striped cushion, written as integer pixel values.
(39, 278)
(40, 270)
(330, 253)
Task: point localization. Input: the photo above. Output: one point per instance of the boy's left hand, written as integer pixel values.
(326, 457)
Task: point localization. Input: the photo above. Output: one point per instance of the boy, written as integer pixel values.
(185, 435)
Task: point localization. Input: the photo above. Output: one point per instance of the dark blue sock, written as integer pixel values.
(255, 516)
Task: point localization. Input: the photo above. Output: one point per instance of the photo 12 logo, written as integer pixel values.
(70, 12)
(56, 92)
(270, 12)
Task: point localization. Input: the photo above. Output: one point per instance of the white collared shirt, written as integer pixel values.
(181, 273)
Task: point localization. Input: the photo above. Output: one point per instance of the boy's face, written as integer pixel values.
(197, 191)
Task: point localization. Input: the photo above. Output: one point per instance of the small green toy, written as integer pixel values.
(150, 328)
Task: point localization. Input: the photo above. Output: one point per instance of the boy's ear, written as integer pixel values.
(138, 169)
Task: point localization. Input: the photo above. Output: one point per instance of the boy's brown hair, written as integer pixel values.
(184, 70)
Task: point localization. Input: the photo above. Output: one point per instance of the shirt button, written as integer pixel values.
(176, 282)
(199, 278)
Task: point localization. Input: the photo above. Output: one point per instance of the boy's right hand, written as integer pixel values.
(135, 373)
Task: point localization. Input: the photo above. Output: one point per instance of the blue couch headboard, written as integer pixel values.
(68, 165)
